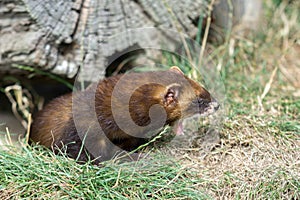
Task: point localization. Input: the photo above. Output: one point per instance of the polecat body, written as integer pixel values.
(119, 113)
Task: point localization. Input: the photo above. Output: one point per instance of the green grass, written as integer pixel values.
(257, 156)
(37, 173)
(35, 71)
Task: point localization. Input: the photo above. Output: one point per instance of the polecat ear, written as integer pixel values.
(172, 94)
(176, 69)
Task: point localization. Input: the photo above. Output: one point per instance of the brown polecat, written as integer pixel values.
(119, 113)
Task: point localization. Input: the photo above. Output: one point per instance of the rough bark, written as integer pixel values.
(63, 36)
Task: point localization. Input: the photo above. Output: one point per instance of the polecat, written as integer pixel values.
(119, 113)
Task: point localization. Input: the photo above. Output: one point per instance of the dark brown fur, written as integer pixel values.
(65, 121)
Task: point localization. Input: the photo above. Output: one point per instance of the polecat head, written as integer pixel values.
(153, 100)
(188, 96)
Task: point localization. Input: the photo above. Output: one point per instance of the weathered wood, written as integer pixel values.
(65, 35)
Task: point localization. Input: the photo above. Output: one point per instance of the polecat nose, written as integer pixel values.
(215, 103)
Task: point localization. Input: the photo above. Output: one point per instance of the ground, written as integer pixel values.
(255, 156)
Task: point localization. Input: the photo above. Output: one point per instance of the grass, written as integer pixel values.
(37, 173)
(257, 156)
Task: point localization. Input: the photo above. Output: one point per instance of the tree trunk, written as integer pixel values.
(70, 36)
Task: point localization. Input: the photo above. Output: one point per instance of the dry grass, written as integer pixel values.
(258, 154)
(252, 160)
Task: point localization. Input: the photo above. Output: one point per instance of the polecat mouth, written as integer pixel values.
(210, 109)
(178, 127)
